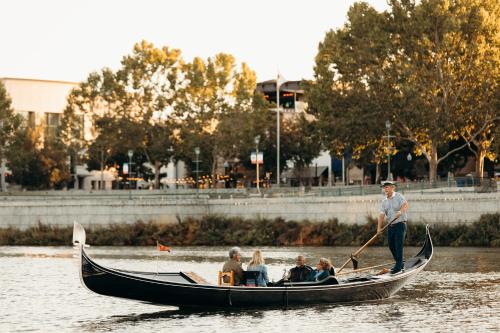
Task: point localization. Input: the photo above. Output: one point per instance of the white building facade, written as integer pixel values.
(40, 102)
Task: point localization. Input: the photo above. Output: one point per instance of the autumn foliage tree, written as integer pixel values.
(10, 123)
(420, 65)
(219, 112)
(163, 107)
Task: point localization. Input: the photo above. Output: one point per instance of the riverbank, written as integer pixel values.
(59, 208)
(216, 230)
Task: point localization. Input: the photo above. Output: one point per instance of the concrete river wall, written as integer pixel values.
(61, 209)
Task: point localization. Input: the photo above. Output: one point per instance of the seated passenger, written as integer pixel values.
(234, 264)
(301, 271)
(323, 269)
(258, 264)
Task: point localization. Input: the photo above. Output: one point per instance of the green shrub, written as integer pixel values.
(219, 230)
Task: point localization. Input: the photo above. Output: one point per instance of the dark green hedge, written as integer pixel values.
(217, 230)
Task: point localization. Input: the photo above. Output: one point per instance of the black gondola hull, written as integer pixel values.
(177, 289)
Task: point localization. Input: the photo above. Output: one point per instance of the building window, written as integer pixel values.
(52, 121)
(28, 117)
(31, 119)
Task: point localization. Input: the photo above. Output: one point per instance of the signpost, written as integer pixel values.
(257, 159)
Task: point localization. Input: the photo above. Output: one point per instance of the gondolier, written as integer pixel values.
(394, 207)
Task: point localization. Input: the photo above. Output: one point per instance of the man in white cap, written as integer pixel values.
(394, 207)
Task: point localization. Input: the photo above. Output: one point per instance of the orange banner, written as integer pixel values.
(161, 247)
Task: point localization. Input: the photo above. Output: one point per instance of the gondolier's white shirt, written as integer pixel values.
(390, 206)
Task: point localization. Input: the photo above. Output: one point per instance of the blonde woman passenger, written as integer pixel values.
(258, 264)
(324, 268)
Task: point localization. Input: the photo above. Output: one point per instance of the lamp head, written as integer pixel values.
(257, 139)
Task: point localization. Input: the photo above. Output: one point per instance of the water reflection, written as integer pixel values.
(175, 316)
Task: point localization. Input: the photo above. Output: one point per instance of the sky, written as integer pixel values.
(66, 40)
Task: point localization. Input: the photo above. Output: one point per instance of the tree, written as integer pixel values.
(414, 64)
(151, 78)
(300, 141)
(95, 100)
(155, 102)
(447, 45)
(219, 112)
(71, 132)
(481, 100)
(347, 96)
(10, 123)
(36, 163)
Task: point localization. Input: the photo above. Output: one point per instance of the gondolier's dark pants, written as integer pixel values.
(396, 238)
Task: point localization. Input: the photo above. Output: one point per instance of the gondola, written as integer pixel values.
(182, 290)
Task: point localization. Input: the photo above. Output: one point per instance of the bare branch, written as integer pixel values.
(411, 137)
(486, 124)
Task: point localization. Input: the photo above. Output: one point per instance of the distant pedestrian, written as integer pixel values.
(394, 207)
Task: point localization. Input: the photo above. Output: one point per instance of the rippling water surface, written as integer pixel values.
(40, 291)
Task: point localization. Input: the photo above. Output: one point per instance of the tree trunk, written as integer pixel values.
(101, 187)
(214, 169)
(72, 163)
(157, 174)
(433, 164)
(481, 153)
(2, 176)
(377, 173)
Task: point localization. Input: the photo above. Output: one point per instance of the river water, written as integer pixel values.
(40, 291)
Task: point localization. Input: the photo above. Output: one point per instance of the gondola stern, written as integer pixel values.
(428, 247)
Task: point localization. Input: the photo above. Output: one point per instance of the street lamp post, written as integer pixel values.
(130, 153)
(409, 158)
(197, 153)
(257, 140)
(174, 163)
(278, 131)
(388, 127)
(2, 167)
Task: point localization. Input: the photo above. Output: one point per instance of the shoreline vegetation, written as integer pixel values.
(223, 231)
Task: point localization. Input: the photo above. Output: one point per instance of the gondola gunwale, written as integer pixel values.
(375, 280)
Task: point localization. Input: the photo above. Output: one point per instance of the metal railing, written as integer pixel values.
(462, 184)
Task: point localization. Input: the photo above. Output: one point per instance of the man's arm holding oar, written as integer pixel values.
(353, 256)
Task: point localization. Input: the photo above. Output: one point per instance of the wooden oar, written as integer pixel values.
(353, 256)
(365, 268)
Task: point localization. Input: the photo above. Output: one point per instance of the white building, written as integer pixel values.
(40, 102)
